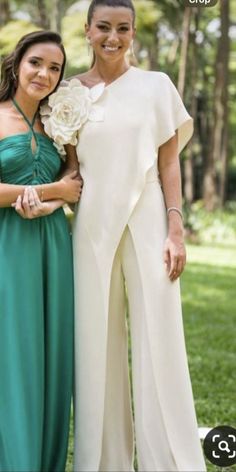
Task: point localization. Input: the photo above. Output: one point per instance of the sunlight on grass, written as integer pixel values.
(212, 255)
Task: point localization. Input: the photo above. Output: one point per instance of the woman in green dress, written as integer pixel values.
(36, 277)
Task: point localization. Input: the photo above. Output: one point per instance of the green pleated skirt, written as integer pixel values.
(36, 342)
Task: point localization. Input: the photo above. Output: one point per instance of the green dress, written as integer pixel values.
(36, 318)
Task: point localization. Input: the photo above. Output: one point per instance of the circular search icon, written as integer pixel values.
(224, 446)
(220, 446)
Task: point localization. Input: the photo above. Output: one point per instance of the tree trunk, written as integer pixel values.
(43, 15)
(184, 50)
(224, 71)
(172, 54)
(153, 52)
(188, 167)
(56, 15)
(4, 12)
(217, 156)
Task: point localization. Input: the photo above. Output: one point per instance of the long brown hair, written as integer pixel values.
(11, 63)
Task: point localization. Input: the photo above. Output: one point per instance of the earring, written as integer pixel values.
(88, 45)
(131, 48)
(15, 78)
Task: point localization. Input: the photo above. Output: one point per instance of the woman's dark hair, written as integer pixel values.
(109, 3)
(11, 63)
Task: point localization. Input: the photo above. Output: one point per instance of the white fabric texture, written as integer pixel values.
(118, 162)
(153, 449)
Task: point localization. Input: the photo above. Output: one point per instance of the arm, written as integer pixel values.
(169, 170)
(68, 188)
(71, 164)
(9, 193)
(30, 206)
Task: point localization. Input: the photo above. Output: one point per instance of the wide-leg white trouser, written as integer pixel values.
(153, 449)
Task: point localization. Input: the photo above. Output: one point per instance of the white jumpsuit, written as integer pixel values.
(118, 234)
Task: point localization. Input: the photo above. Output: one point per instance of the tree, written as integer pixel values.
(188, 168)
(56, 15)
(223, 90)
(217, 156)
(184, 50)
(5, 12)
(147, 32)
(43, 14)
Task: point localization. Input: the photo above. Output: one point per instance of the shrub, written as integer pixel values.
(218, 227)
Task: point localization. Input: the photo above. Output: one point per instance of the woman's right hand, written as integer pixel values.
(71, 187)
(29, 205)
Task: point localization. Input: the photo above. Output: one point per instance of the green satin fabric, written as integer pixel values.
(36, 319)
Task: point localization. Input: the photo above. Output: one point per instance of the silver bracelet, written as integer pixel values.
(174, 209)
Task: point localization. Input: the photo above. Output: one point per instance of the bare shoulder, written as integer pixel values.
(6, 118)
(5, 107)
(10, 121)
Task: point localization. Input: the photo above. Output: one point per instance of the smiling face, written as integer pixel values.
(111, 32)
(39, 70)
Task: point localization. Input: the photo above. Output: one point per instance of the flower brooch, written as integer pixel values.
(68, 109)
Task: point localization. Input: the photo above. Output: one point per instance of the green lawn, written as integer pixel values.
(209, 309)
(209, 305)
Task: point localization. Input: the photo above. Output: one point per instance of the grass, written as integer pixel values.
(209, 305)
(209, 310)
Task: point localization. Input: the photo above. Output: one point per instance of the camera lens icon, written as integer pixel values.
(220, 446)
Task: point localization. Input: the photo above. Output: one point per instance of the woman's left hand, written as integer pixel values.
(30, 206)
(174, 255)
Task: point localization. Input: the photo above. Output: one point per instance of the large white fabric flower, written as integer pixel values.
(68, 109)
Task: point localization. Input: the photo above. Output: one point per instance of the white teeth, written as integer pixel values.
(109, 48)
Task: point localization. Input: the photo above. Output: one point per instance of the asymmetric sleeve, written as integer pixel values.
(172, 115)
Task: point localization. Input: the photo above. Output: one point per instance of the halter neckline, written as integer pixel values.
(31, 124)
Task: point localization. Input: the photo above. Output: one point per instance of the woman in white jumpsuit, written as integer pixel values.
(127, 246)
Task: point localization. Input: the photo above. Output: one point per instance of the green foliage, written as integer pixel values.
(147, 17)
(218, 227)
(147, 14)
(12, 32)
(78, 58)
